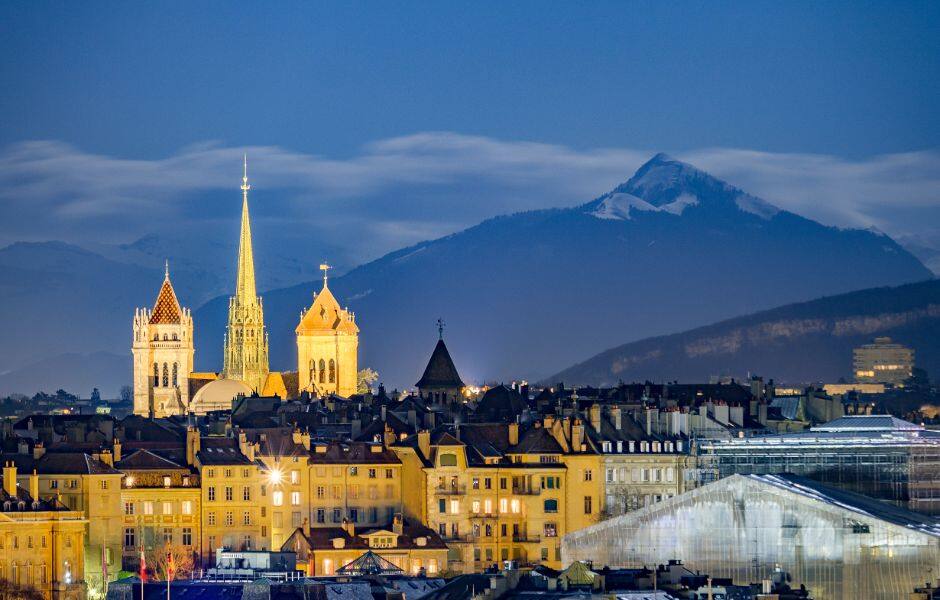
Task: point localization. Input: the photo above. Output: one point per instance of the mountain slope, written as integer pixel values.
(526, 294)
(804, 342)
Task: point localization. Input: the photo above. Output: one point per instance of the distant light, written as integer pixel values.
(129, 481)
(275, 476)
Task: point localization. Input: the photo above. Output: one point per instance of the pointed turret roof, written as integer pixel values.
(326, 315)
(166, 310)
(245, 283)
(440, 371)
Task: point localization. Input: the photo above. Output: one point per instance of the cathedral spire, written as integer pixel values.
(245, 283)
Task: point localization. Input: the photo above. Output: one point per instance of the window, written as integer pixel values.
(337, 515)
(550, 505)
(454, 507)
(389, 474)
(211, 518)
(104, 484)
(503, 505)
(187, 536)
(332, 371)
(148, 507)
(229, 494)
(278, 497)
(487, 483)
(372, 473)
(327, 562)
(228, 473)
(229, 519)
(488, 506)
(187, 506)
(246, 494)
(588, 475)
(54, 484)
(211, 493)
(156, 375)
(128, 508)
(295, 476)
(475, 507)
(295, 498)
(175, 372)
(167, 481)
(166, 375)
(353, 471)
(475, 483)
(168, 508)
(210, 473)
(353, 515)
(588, 505)
(611, 476)
(167, 535)
(246, 518)
(321, 515)
(550, 530)
(312, 371)
(515, 506)
(448, 460)
(322, 371)
(544, 553)
(442, 506)
(130, 538)
(321, 492)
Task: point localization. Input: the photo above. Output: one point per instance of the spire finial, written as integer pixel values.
(245, 186)
(325, 267)
(440, 329)
(166, 268)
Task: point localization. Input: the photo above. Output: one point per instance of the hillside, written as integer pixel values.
(804, 342)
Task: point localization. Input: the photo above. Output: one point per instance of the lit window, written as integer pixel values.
(168, 508)
(295, 477)
(278, 498)
(454, 507)
(295, 498)
(187, 506)
(475, 507)
(148, 508)
(515, 506)
(503, 505)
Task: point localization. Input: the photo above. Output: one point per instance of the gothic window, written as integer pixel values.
(322, 371)
(156, 337)
(175, 337)
(175, 374)
(313, 370)
(166, 375)
(156, 375)
(332, 371)
(166, 337)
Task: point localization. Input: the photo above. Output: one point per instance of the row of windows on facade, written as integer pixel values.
(166, 508)
(452, 483)
(549, 530)
(638, 475)
(130, 481)
(479, 553)
(186, 536)
(166, 375)
(323, 371)
(26, 574)
(506, 506)
(15, 542)
(166, 337)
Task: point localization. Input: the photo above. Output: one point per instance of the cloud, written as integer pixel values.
(400, 190)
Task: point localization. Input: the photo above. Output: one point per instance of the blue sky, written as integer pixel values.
(348, 103)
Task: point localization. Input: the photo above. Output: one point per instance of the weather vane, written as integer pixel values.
(440, 328)
(325, 267)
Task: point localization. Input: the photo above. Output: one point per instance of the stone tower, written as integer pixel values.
(163, 355)
(327, 346)
(246, 340)
(440, 384)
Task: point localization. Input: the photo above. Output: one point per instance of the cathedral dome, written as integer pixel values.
(218, 395)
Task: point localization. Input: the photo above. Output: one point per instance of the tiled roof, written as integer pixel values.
(321, 538)
(146, 460)
(440, 371)
(61, 463)
(352, 453)
(166, 310)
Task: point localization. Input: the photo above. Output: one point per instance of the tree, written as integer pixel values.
(127, 393)
(12, 591)
(95, 395)
(364, 380)
(158, 561)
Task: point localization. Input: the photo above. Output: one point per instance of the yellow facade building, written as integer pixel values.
(42, 544)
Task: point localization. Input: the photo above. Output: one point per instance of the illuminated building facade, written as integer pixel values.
(840, 545)
(883, 361)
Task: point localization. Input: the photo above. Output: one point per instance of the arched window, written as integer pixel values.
(322, 371)
(166, 375)
(166, 338)
(313, 370)
(176, 337)
(175, 374)
(156, 375)
(332, 371)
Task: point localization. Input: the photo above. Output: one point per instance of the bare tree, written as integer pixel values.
(158, 561)
(13, 591)
(364, 380)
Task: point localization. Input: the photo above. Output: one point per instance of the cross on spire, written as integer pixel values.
(440, 329)
(166, 268)
(245, 186)
(325, 267)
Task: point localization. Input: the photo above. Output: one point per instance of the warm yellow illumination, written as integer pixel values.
(275, 476)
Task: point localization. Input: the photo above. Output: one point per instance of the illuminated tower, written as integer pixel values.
(163, 355)
(246, 341)
(327, 345)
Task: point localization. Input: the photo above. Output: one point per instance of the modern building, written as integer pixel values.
(883, 361)
(840, 545)
(877, 455)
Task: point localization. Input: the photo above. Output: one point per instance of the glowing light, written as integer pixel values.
(129, 481)
(275, 476)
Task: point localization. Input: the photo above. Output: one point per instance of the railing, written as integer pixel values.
(523, 491)
(451, 490)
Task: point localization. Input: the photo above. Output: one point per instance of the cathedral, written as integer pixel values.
(163, 351)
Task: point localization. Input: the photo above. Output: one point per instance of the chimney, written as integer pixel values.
(349, 527)
(9, 478)
(398, 524)
(305, 439)
(513, 434)
(192, 445)
(116, 450)
(306, 527)
(34, 486)
(389, 437)
(615, 417)
(295, 435)
(22, 447)
(424, 443)
(106, 457)
(39, 450)
(577, 435)
(594, 414)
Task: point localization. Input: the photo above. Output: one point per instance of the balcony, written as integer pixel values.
(450, 490)
(526, 491)
(526, 538)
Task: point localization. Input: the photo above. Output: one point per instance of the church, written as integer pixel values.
(165, 383)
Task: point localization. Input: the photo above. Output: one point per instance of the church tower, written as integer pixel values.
(246, 340)
(327, 346)
(163, 355)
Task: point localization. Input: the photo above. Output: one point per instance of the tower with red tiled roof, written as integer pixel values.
(163, 354)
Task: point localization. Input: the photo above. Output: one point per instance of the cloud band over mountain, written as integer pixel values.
(400, 190)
